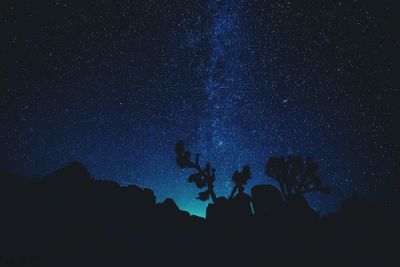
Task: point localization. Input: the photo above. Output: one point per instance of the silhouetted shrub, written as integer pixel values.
(240, 179)
(203, 177)
(295, 176)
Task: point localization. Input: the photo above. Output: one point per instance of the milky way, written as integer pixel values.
(224, 86)
(116, 84)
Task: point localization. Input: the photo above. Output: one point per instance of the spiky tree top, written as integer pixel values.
(240, 179)
(203, 177)
(294, 175)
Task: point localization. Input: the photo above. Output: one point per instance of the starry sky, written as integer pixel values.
(114, 84)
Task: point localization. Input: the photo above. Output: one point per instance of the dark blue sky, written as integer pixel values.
(114, 84)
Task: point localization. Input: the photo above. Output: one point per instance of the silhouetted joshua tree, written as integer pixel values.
(294, 175)
(240, 179)
(203, 177)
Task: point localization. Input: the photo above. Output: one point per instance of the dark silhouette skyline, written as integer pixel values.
(69, 218)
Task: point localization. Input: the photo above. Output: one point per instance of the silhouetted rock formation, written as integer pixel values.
(267, 200)
(68, 218)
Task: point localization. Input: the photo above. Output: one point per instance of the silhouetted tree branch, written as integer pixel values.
(204, 177)
(294, 175)
(240, 179)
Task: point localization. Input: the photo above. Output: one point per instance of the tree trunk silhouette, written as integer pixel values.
(283, 190)
(210, 186)
(233, 192)
(211, 191)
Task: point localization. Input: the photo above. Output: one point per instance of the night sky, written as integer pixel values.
(114, 84)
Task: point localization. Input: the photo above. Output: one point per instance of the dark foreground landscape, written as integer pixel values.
(67, 218)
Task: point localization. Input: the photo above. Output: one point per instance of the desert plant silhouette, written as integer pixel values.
(295, 176)
(203, 177)
(240, 179)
